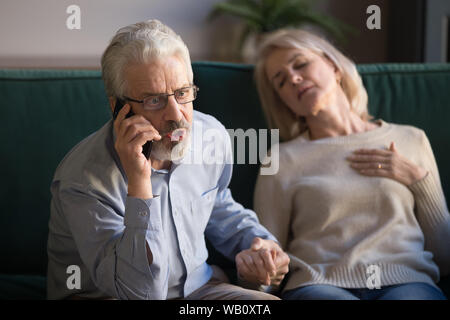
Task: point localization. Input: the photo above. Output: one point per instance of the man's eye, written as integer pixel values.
(154, 100)
(281, 83)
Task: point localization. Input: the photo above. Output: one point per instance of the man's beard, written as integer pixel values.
(165, 149)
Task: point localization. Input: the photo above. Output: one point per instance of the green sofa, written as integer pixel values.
(46, 112)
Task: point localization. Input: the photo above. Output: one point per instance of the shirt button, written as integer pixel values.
(143, 213)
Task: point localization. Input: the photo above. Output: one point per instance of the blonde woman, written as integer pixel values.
(356, 203)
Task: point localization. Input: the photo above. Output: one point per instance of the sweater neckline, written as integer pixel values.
(376, 133)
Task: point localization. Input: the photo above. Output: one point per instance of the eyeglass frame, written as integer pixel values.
(166, 95)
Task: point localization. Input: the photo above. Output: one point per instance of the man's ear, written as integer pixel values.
(112, 103)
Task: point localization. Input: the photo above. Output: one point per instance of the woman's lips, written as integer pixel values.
(302, 92)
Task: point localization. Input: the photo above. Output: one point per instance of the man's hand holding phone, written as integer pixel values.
(131, 134)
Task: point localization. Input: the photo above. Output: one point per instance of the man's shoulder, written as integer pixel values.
(91, 156)
(207, 121)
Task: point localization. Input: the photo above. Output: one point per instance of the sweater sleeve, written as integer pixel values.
(431, 210)
(273, 206)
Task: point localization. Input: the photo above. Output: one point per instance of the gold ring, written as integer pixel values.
(379, 166)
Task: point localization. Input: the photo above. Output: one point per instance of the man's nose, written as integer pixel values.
(173, 111)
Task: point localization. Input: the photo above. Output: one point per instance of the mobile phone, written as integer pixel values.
(147, 147)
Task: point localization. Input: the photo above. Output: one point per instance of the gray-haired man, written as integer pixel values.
(134, 225)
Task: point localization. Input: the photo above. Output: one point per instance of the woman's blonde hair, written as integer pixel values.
(277, 113)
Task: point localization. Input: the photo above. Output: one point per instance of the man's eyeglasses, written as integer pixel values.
(159, 101)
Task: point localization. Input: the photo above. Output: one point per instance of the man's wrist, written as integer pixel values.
(141, 190)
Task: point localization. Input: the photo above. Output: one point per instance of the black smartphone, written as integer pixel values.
(147, 148)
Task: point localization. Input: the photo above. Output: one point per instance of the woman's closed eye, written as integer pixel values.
(298, 66)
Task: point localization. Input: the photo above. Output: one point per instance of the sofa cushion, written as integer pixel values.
(45, 113)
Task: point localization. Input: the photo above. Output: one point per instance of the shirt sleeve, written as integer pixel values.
(232, 228)
(431, 210)
(113, 247)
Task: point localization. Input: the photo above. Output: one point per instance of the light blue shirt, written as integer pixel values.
(95, 226)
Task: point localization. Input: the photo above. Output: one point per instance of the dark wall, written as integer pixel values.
(400, 39)
(366, 46)
(406, 35)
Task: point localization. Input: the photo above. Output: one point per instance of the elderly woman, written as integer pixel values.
(357, 204)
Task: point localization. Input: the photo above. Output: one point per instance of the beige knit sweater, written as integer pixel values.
(334, 222)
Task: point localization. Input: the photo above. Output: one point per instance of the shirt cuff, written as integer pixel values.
(143, 213)
(248, 239)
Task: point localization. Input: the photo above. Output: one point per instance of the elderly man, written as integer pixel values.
(130, 212)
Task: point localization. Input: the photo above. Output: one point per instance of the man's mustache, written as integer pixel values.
(172, 125)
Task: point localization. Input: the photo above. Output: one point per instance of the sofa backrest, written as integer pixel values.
(46, 112)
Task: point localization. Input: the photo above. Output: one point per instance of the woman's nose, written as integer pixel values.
(295, 78)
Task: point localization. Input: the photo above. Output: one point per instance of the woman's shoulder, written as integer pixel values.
(407, 131)
(295, 143)
(286, 154)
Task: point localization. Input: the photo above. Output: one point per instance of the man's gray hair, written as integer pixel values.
(140, 43)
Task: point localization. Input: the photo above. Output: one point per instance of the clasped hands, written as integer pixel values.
(264, 263)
